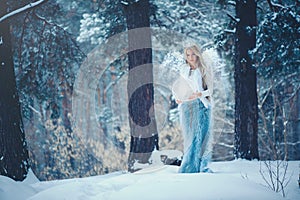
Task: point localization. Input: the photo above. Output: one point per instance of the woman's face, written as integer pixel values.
(191, 57)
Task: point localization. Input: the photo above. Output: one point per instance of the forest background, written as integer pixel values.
(67, 136)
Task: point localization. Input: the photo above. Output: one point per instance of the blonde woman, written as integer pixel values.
(195, 110)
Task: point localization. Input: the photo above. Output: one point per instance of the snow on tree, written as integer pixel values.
(70, 27)
(277, 61)
(46, 60)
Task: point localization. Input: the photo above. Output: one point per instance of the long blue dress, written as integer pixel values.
(195, 121)
(195, 124)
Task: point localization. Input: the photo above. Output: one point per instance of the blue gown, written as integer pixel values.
(195, 124)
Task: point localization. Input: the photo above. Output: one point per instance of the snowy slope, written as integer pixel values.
(237, 179)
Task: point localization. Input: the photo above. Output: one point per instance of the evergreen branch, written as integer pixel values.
(66, 33)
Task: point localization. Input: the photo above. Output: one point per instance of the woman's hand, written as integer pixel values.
(178, 101)
(198, 94)
(195, 95)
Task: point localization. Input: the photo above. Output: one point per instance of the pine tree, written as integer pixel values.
(246, 110)
(13, 148)
(144, 136)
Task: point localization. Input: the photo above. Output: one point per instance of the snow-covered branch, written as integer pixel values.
(274, 6)
(232, 3)
(230, 31)
(23, 9)
(225, 145)
(66, 33)
(233, 18)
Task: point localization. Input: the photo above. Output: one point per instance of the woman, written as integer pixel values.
(194, 111)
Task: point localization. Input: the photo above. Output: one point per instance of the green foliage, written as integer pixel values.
(98, 25)
(46, 57)
(276, 57)
(224, 41)
(278, 44)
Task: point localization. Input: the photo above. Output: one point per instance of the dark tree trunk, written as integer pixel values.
(13, 149)
(143, 130)
(246, 111)
(295, 128)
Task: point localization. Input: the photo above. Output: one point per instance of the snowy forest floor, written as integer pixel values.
(238, 179)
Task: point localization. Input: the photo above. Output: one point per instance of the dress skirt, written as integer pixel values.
(195, 125)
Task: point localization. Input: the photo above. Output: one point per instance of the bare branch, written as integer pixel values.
(232, 3)
(263, 175)
(46, 22)
(230, 31)
(275, 175)
(23, 9)
(233, 18)
(274, 6)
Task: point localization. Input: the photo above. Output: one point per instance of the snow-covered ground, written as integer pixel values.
(237, 179)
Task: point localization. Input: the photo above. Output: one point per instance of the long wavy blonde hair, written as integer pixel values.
(199, 64)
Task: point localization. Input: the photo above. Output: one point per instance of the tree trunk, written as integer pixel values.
(13, 148)
(246, 111)
(295, 128)
(143, 129)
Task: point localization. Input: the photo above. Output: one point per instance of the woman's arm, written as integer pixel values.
(195, 95)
